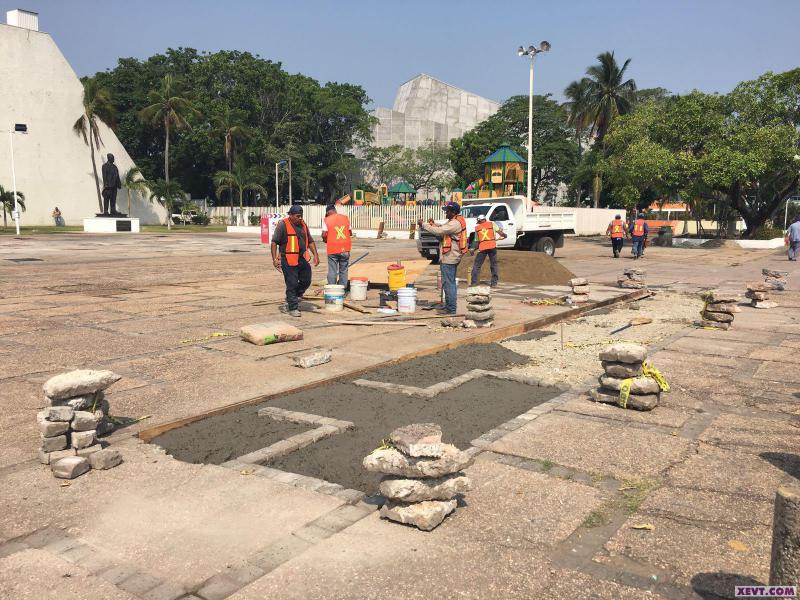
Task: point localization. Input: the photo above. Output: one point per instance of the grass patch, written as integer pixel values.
(632, 492)
(598, 517)
(546, 465)
(183, 229)
(40, 229)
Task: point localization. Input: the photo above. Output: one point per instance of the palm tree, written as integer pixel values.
(599, 98)
(168, 108)
(168, 194)
(133, 181)
(230, 127)
(241, 177)
(7, 200)
(97, 106)
(579, 116)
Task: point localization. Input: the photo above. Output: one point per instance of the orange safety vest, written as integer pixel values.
(485, 233)
(617, 228)
(463, 245)
(292, 251)
(338, 239)
(638, 228)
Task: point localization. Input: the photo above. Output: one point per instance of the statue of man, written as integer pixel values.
(111, 183)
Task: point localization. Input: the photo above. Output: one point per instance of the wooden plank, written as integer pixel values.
(400, 323)
(480, 337)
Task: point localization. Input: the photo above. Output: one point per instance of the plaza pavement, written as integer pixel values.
(555, 504)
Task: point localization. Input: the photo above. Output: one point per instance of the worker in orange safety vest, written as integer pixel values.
(291, 247)
(455, 229)
(617, 229)
(638, 230)
(486, 235)
(336, 234)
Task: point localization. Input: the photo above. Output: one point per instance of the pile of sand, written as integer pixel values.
(518, 266)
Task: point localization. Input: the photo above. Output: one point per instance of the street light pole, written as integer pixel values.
(290, 182)
(13, 178)
(531, 52)
(276, 185)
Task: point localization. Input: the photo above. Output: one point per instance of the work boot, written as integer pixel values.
(294, 313)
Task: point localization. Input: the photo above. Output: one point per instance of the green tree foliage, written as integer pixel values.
(7, 202)
(97, 106)
(241, 177)
(554, 153)
(740, 149)
(133, 181)
(426, 167)
(288, 116)
(168, 194)
(382, 165)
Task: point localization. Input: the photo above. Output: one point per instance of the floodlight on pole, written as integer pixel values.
(17, 128)
(531, 52)
(277, 189)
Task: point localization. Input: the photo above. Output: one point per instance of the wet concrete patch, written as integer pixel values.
(536, 334)
(464, 414)
(427, 370)
(225, 437)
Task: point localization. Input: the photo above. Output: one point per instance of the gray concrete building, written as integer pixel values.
(426, 109)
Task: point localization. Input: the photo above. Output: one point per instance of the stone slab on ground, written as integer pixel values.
(79, 382)
(393, 462)
(417, 490)
(105, 459)
(312, 359)
(753, 434)
(70, 467)
(603, 448)
(624, 352)
(665, 416)
(426, 515)
(645, 402)
(418, 439)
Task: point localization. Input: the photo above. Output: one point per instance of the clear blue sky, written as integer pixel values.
(678, 44)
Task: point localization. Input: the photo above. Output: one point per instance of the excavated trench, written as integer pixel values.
(465, 413)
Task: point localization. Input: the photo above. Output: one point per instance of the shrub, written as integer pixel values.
(767, 233)
(254, 219)
(203, 218)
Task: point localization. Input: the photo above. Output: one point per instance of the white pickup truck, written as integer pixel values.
(540, 229)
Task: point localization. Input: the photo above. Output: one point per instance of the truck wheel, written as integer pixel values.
(546, 245)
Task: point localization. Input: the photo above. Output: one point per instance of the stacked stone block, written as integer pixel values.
(580, 290)
(632, 279)
(758, 293)
(622, 362)
(69, 427)
(719, 309)
(776, 280)
(479, 306)
(422, 476)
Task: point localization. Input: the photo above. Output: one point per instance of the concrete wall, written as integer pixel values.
(53, 165)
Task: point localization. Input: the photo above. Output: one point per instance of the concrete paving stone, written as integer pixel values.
(603, 448)
(706, 508)
(279, 552)
(59, 546)
(244, 573)
(76, 554)
(38, 575)
(753, 434)
(663, 415)
(9, 548)
(217, 587)
(165, 591)
(778, 371)
(313, 533)
(43, 537)
(574, 585)
(139, 583)
(710, 469)
(118, 573)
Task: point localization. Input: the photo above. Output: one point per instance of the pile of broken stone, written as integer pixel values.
(719, 309)
(76, 415)
(758, 293)
(776, 280)
(620, 362)
(632, 279)
(580, 291)
(422, 476)
(479, 307)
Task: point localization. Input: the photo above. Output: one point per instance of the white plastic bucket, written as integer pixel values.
(407, 300)
(334, 297)
(358, 289)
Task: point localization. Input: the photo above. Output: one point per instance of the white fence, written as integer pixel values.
(588, 221)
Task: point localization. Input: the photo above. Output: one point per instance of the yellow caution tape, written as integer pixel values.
(650, 371)
(386, 444)
(216, 334)
(625, 392)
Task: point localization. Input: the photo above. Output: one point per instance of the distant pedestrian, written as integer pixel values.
(638, 231)
(290, 248)
(486, 235)
(337, 235)
(616, 229)
(57, 217)
(454, 244)
(794, 239)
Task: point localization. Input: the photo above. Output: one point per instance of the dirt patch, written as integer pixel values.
(225, 437)
(536, 334)
(464, 414)
(516, 266)
(577, 361)
(431, 369)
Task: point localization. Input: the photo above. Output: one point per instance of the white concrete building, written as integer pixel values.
(426, 109)
(53, 165)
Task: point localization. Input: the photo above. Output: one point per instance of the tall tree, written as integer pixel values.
(97, 106)
(133, 181)
(243, 178)
(169, 109)
(229, 125)
(169, 194)
(425, 167)
(7, 202)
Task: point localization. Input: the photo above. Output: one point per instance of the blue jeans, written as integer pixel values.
(449, 287)
(337, 265)
(638, 246)
(794, 250)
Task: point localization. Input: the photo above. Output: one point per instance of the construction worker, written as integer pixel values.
(290, 247)
(617, 230)
(337, 235)
(454, 246)
(638, 231)
(486, 235)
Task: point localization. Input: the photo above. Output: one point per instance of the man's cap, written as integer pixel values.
(617, 217)
(481, 217)
(296, 209)
(453, 207)
(330, 207)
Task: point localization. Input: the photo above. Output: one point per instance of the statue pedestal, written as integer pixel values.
(111, 225)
